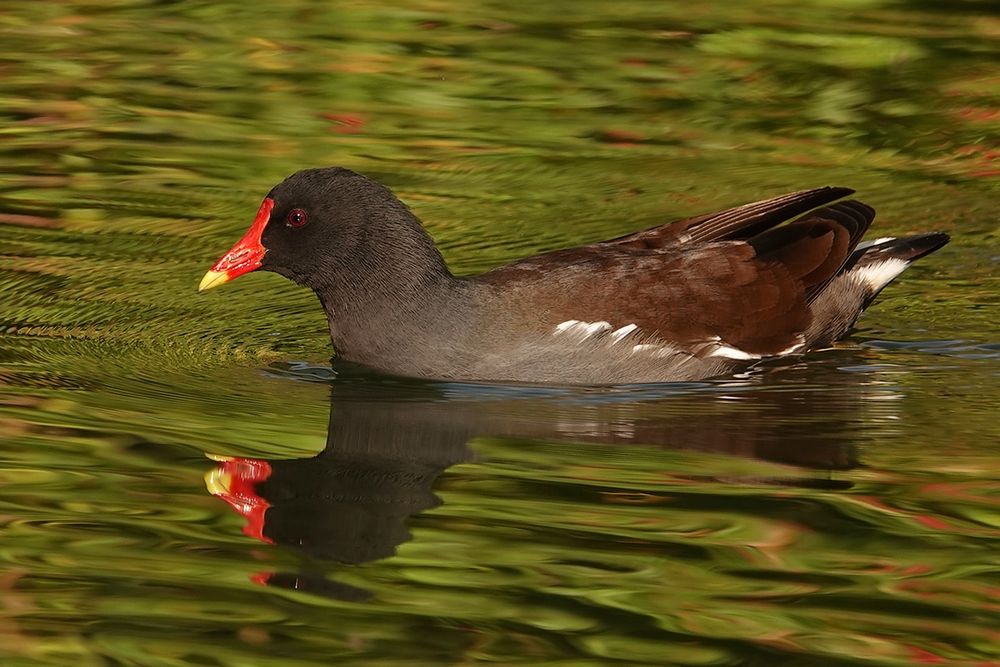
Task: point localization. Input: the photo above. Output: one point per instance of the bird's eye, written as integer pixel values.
(296, 217)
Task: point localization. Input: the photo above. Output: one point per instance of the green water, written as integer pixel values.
(838, 510)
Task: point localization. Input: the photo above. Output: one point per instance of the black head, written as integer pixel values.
(327, 227)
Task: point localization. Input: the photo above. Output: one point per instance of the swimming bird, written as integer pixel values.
(701, 297)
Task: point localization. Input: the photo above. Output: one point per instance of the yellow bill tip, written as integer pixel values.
(218, 482)
(212, 279)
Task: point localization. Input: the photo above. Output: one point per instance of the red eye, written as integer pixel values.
(296, 217)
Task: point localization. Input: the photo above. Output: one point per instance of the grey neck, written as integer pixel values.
(398, 307)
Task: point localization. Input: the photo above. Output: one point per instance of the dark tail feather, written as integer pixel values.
(906, 248)
(882, 261)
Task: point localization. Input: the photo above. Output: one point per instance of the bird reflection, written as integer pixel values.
(390, 439)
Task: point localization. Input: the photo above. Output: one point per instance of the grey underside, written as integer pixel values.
(599, 361)
(550, 358)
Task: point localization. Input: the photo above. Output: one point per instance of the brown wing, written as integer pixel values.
(739, 223)
(719, 291)
(754, 295)
(854, 217)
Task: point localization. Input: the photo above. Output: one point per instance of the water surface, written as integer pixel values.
(185, 479)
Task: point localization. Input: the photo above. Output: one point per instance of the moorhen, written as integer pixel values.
(697, 298)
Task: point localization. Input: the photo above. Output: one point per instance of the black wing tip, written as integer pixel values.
(857, 206)
(840, 190)
(749, 220)
(823, 196)
(820, 196)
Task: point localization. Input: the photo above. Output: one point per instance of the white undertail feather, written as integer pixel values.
(879, 274)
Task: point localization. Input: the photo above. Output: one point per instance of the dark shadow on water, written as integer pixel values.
(389, 440)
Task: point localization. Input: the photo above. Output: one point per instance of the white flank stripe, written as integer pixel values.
(653, 350)
(733, 353)
(596, 328)
(618, 334)
(582, 330)
(795, 347)
(566, 326)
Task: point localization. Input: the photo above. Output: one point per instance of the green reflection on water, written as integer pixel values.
(841, 511)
